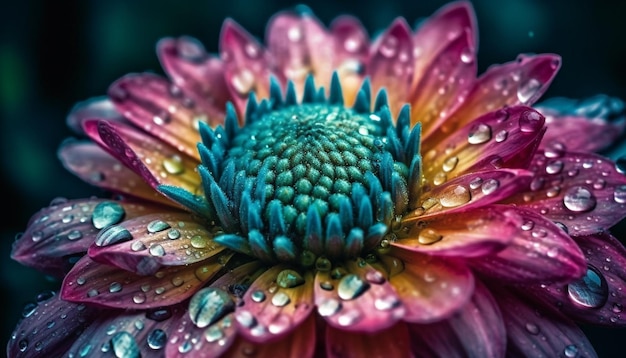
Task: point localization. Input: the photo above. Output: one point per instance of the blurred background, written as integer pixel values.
(53, 54)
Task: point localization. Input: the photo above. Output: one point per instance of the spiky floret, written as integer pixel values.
(304, 180)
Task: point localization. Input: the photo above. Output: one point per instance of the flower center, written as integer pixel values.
(300, 182)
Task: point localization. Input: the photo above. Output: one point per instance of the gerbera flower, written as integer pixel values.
(331, 194)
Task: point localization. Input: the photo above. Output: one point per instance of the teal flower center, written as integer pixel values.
(307, 182)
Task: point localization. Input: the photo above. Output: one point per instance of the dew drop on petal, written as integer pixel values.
(532, 328)
(501, 136)
(351, 286)
(479, 134)
(467, 56)
(428, 236)
(589, 291)
(579, 199)
(530, 121)
(213, 333)
(157, 250)
(489, 186)
(389, 47)
(328, 307)
(243, 81)
(157, 339)
(289, 279)
(280, 299)
(157, 225)
(571, 351)
(554, 167)
(124, 345)
(450, 164)
(258, 296)
(208, 305)
(455, 196)
(620, 165)
(173, 165)
(107, 213)
(112, 235)
(619, 195)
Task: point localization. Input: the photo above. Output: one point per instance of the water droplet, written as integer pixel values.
(280, 299)
(173, 234)
(528, 90)
(579, 199)
(489, 186)
(213, 333)
(620, 164)
(208, 305)
(199, 242)
(112, 235)
(139, 298)
(173, 165)
(554, 167)
(501, 136)
(455, 196)
(159, 314)
(475, 183)
(157, 225)
(389, 47)
(157, 250)
(124, 345)
(137, 246)
(386, 302)
(157, 339)
(479, 134)
(351, 286)
(530, 121)
(589, 291)
(74, 235)
(115, 287)
(107, 213)
(29, 309)
(439, 178)
(348, 318)
(245, 318)
(428, 236)
(289, 279)
(328, 307)
(617, 308)
(467, 56)
(191, 50)
(375, 277)
(619, 195)
(258, 296)
(571, 351)
(243, 81)
(532, 328)
(450, 164)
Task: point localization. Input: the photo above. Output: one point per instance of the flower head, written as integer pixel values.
(331, 194)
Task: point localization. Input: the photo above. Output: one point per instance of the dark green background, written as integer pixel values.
(54, 53)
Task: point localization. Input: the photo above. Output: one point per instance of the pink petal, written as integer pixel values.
(520, 82)
(273, 307)
(59, 234)
(158, 239)
(161, 109)
(246, 64)
(444, 84)
(391, 63)
(351, 54)
(298, 343)
(601, 299)
(215, 339)
(539, 251)
(588, 125)
(356, 298)
(127, 333)
(156, 162)
(299, 45)
(470, 191)
(49, 328)
(438, 30)
(98, 107)
(539, 331)
(469, 233)
(109, 286)
(391, 342)
(431, 288)
(582, 191)
(476, 330)
(197, 73)
(95, 166)
(506, 138)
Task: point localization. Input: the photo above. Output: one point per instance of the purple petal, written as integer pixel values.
(391, 342)
(539, 331)
(582, 191)
(158, 239)
(539, 251)
(431, 288)
(357, 299)
(49, 328)
(476, 330)
(98, 107)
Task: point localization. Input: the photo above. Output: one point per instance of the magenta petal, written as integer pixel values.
(95, 166)
(109, 286)
(444, 85)
(197, 73)
(161, 109)
(472, 233)
(578, 134)
(49, 328)
(391, 342)
(540, 251)
(583, 191)
(391, 63)
(506, 138)
(431, 288)
(158, 239)
(246, 65)
(98, 107)
(476, 330)
(599, 298)
(539, 331)
(361, 300)
(441, 28)
(59, 234)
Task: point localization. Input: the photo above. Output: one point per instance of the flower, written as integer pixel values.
(332, 195)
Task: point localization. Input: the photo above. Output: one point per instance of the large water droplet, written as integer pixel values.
(173, 165)
(351, 286)
(280, 299)
(157, 339)
(389, 47)
(208, 305)
(528, 90)
(428, 236)
(124, 345)
(157, 225)
(489, 186)
(112, 235)
(455, 196)
(328, 307)
(589, 291)
(479, 134)
(579, 199)
(530, 121)
(289, 279)
(107, 213)
(571, 351)
(619, 195)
